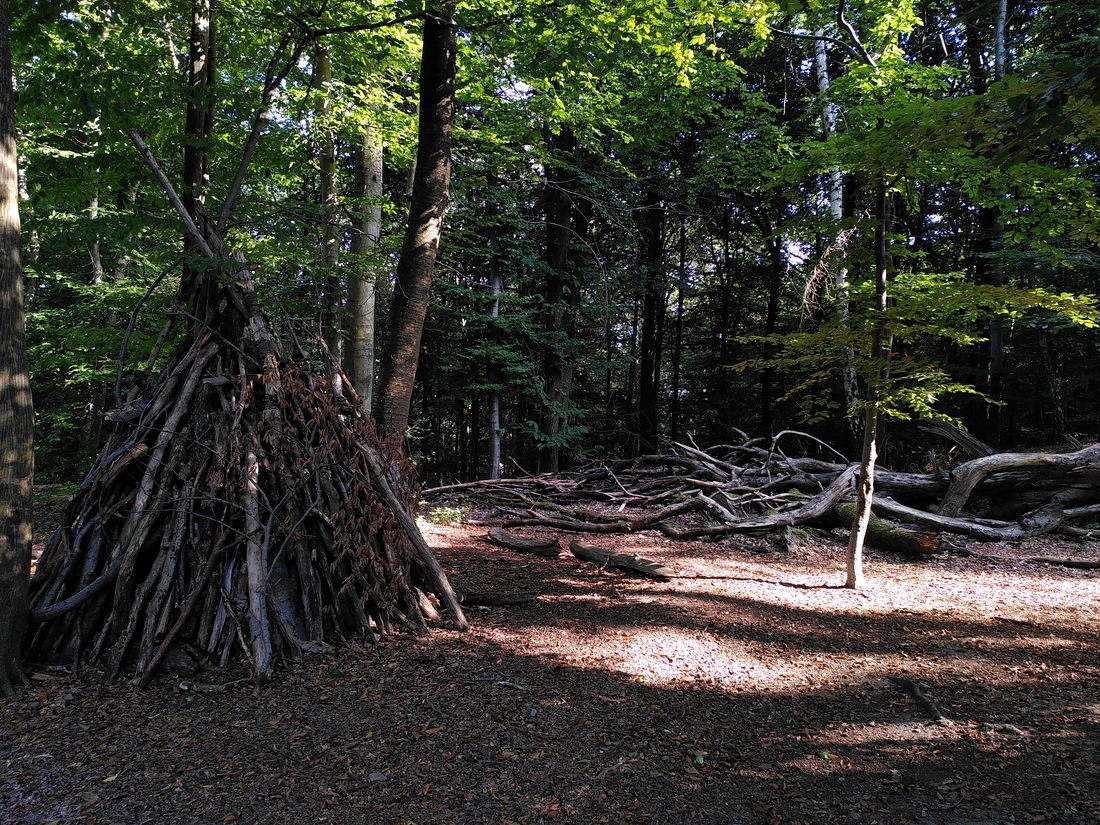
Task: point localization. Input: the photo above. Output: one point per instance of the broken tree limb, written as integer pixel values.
(636, 564)
(812, 510)
(980, 529)
(960, 438)
(966, 477)
(435, 573)
(546, 548)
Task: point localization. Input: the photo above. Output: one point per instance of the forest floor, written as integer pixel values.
(750, 689)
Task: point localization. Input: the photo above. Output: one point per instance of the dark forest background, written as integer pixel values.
(661, 220)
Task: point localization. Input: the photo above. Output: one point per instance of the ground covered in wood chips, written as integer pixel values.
(750, 689)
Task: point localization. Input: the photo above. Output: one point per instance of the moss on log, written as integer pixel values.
(884, 535)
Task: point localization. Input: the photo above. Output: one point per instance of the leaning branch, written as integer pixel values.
(173, 198)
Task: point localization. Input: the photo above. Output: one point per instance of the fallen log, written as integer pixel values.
(1077, 564)
(966, 477)
(812, 510)
(980, 529)
(546, 548)
(882, 535)
(636, 564)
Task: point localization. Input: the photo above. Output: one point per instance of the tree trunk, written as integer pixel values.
(332, 295)
(879, 369)
(431, 188)
(198, 122)
(836, 213)
(653, 309)
(678, 338)
(495, 286)
(987, 234)
(16, 414)
(559, 298)
(775, 283)
(364, 244)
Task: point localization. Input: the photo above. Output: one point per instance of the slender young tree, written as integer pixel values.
(879, 373)
(16, 414)
(428, 205)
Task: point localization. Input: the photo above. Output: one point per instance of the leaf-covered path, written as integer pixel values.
(742, 692)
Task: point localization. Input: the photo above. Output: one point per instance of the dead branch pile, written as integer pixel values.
(234, 515)
(754, 487)
(245, 507)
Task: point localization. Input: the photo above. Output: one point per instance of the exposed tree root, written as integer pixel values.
(921, 698)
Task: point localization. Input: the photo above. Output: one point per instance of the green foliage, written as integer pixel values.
(926, 309)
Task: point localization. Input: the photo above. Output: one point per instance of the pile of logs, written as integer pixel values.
(244, 507)
(755, 488)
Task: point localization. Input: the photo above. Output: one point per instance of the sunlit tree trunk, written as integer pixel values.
(678, 337)
(431, 188)
(836, 213)
(16, 414)
(495, 287)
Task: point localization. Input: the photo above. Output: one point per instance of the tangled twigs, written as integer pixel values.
(753, 487)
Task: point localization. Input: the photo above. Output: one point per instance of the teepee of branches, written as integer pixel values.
(244, 508)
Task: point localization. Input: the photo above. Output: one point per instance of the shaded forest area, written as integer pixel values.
(664, 221)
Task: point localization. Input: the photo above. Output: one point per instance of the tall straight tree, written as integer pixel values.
(560, 298)
(428, 205)
(364, 249)
(332, 302)
(16, 414)
(655, 289)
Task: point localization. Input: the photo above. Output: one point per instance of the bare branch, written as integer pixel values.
(173, 198)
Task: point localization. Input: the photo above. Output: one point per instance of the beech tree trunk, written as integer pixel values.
(431, 189)
(495, 287)
(16, 414)
(836, 213)
(332, 293)
(361, 286)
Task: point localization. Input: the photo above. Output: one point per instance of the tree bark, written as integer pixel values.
(560, 296)
(653, 309)
(495, 287)
(16, 413)
(361, 287)
(198, 123)
(678, 338)
(431, 189)
(836, 213)
(880, 368)
(332, 296)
